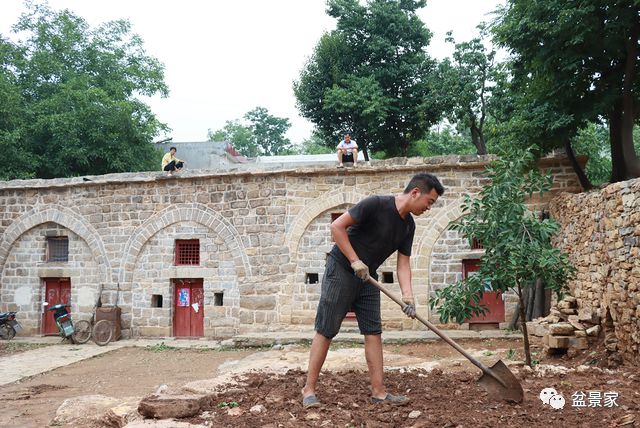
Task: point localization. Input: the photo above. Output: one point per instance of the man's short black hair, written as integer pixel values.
(173, 148)
(425, 182)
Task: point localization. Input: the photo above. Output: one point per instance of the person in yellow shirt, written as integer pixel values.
(171, 163)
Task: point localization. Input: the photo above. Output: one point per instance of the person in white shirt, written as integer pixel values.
(345, 147)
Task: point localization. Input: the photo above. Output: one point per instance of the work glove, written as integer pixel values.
(410, 308)
(360, 269)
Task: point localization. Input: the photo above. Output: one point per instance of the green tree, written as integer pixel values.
(518, 251)
(444, 141)
(69, 95)
(259, 134)
(314, 145)
(240, 136)
(464, 86)
(593, 141)
(578, 61)
(268, 132)
(367, 76)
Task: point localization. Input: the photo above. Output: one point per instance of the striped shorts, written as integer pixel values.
(342, 291)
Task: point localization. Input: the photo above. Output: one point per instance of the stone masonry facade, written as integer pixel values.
(263, 238)
(601, 233)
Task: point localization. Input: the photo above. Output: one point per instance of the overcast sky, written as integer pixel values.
(225, 57)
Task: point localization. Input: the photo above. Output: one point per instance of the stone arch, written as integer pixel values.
(64, 217)
(196, 213)
(319, 205)
(432, 231)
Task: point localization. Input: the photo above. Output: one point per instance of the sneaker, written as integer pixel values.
(398, 400)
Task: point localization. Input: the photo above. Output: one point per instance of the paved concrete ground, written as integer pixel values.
(41, 360)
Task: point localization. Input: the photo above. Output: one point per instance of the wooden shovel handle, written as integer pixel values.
(434, 329)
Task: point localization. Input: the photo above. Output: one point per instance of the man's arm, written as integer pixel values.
(341, 238)
(404, 278)
(404, 275)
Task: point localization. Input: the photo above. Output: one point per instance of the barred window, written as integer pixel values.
(187, 252)
(58, 249)
(476, 244)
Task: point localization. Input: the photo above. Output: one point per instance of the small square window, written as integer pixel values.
(312, 278)
(387, 277)
(156, 300)
(58, 249)
(218, 299)
(187, 252)
(476, 244)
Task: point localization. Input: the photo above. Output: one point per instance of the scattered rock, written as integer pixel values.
(257, 409)
(593, 331)
(235, 411)
(414, 414)
(161, 423)
(561, 329)
(171, 406)
(86, 410)
(312, 416)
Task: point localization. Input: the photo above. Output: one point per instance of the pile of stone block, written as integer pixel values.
(566, 326)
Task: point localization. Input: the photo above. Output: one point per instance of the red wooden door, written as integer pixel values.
(188, 314)
(57, 290)
(491, 299)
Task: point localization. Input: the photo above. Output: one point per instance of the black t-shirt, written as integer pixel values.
(379, 232)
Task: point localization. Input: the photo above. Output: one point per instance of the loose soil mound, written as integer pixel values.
(438, 399)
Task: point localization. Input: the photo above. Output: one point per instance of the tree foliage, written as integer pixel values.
(517, 243)
(575, 63)
(68, 97)
(367, 77)
(464, 87)
(259, 134)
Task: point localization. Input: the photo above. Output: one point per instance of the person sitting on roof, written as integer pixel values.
(347, 147)
(171, 163)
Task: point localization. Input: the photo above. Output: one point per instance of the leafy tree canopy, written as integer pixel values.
(68, 101)
(576, 63)
(367, 76)
(464, 85)
(259, 134)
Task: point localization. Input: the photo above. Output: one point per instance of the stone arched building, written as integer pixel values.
(217, 253)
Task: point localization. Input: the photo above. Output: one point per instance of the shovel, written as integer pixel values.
(497, 380)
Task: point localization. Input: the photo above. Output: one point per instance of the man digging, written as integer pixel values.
(365, 236)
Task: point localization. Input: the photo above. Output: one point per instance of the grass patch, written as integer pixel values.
(160, 347)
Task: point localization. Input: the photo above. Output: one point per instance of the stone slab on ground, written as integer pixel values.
(171, 406)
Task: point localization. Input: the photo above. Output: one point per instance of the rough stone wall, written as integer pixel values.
(601, 233)
(261, 233)
(26, 269)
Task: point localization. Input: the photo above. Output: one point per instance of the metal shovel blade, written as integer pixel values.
(499, 382)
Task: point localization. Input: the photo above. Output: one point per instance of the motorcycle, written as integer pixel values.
(65, 325)
(9, 325)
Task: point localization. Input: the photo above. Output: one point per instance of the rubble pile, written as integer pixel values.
(567, 327)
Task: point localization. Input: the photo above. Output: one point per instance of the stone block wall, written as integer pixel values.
(601, 233)
(261, 233)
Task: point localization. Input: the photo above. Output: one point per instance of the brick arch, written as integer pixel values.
(319, 205)
(433, 230)
(65, 217)
(196, 213)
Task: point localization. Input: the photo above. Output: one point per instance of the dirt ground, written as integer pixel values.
(444, 397)
(126, 372)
